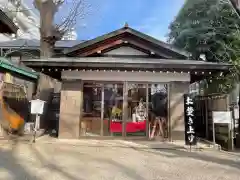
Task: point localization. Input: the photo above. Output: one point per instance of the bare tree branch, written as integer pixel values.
(77, 12)
(51, 32)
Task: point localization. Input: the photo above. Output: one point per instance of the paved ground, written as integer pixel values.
(95, 161)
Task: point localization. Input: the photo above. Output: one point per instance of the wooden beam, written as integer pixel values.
(101, 48)
(117, 42)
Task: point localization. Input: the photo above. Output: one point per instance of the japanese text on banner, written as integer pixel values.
(190, 115)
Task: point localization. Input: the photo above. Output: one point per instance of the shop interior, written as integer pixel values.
(123, 109)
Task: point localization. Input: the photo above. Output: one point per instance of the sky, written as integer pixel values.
(148, 16)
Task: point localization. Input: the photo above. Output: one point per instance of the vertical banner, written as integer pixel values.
(190, 120)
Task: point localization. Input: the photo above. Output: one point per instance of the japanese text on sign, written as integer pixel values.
(189, 120)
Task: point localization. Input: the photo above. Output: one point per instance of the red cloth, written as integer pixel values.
(130, 126)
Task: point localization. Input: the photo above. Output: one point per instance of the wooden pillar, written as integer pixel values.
(176, 110)
(70, 109)
(125, 108)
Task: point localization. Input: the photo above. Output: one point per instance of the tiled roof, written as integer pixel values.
(34, 43)
(20, 69)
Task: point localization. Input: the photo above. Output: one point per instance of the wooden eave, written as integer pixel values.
(108, 63)
(8, 22)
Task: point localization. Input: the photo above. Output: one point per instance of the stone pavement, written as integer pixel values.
(119, 143)
(92, 160)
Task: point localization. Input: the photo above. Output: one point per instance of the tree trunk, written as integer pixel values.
(46, 49)
(47, 11)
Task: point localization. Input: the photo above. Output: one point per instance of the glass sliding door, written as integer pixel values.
(124, 109)
(113, 109)
(91, 123)
(137, 110)
(158, 110)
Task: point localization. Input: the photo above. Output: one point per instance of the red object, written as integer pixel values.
(116, 127)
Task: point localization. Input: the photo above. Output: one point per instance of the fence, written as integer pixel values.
(14, 106)
(204, 126)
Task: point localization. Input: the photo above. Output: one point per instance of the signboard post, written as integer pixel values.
(189, 114)
(37, 107)
(222, 117)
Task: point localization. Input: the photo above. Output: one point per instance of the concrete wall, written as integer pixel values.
(70, 109)
(176, 109)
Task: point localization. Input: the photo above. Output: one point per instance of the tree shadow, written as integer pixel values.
(130, 172)
(177, 120)
(127, 170)
(52, 166)
(176, 153)
(174, 106)
(17, 172)
(11, 164)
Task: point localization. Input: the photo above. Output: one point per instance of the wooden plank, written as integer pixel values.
(101, 48)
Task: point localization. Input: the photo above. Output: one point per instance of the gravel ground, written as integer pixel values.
(68, 162)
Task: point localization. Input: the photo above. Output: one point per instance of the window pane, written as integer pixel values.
(137, 111)
(113, 104)
(158, 109)
(91, 121)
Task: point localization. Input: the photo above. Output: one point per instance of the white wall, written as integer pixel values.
(126, 76)
(26, 20)
(125, 51)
